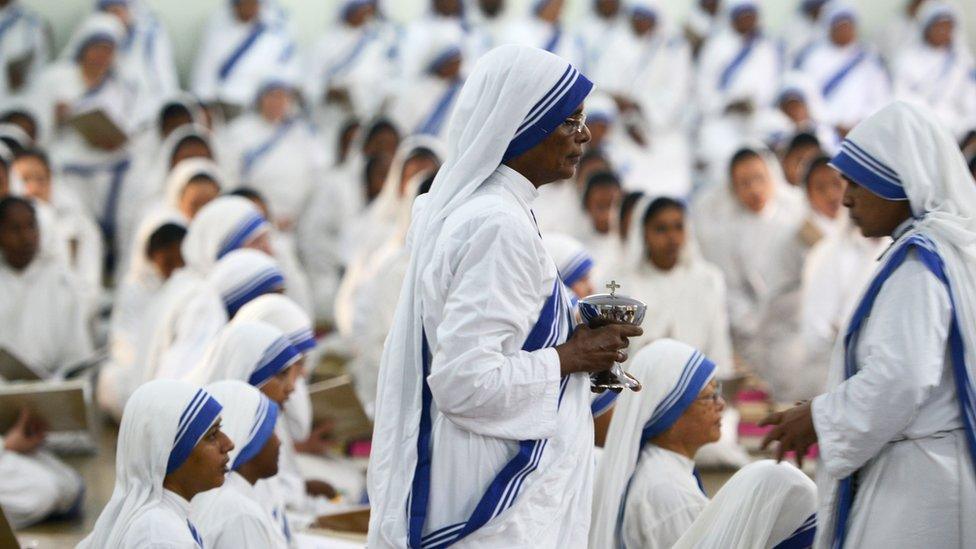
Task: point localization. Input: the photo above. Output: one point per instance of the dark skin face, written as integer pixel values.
(206, 466)
(282, 384)
(746, 22)
(360, 16)
(664, 237)
(377, 176)
(190, 149)
(795, 109)
(246, 10)
(19, 237)
(796, 159)
(450, 69)
(607, 8)
(96, 60)
(172, 122)
(843, 32)
(825, 191)
(939, 34)
(700, 424)
(196, 194)
(642, 25)
(384, 141)
(167, 259)
(414, 165)
(491, 8)
(600, 205)
(556, 157)
(25, 123)
(752, 184)
(264, 464)
(551, 11)
(448, 8)
(875, 216)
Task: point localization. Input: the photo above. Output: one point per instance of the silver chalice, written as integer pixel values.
(602, 309)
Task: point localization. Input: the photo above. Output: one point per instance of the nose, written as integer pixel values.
(720, 404)
(584, 136)
(228, 444)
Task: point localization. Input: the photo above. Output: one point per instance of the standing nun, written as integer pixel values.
(648, 492)
(896, 430)
(170, 449)
(938, 69)
(234, 515)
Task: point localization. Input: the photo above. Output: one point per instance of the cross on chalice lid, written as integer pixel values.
(613, 287)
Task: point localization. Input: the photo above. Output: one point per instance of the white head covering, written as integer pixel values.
(97, 26)
(284, 314)
(220, 227)
(184, 171)
(799, 85)
(600, 107)
(189, 102)
(573, 261)
(937, 10)
(781, 504)
(673, 374)
(248, 418)
(140, 268)
(163, 420)
(243, 275)
(903, 153)
(838, 10)
(513, 98)
(246, 351)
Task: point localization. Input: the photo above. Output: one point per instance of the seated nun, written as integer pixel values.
(170, 449)
(189, 312)
(284, 251)
(35, 485)
(26, 46)
(573, 262)
(600, 201)
(145, 57)
(848, 72)
(797, 154)
(83, 80)
(31, 170)
(423, 105)
(271, 144)
(647, 492)
(235, 516)
(43, 306)
(665, 270)
(238, 53)
(736, 83)
(937, 69)
(800, 109)
(159, 241)
(541, 27)
(749, 228)
(244, 275)
(260, 354)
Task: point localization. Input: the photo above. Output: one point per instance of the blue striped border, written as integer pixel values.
(866, 170)
(695, 374)
(196, 418)
(278, 356)
(244, 230)
(268, 280)
(261, 430)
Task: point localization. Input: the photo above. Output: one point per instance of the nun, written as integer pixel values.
(85, 80)
(234, 516)
(598, 232)
(803, 28)
(895, 427)
(170, 449)
(272, 144)
(542, 27)
(189, 312)
(937, 69)
(23, 47)
(606, 20)
(846, 70)
(43, 306)
(573, 262)
(648, 492)
(749, 228)
(483, 430)
(423, 104)
(442, 18)
(238, 54)
(145, 56)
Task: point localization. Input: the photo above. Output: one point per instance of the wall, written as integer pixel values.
(185, 18)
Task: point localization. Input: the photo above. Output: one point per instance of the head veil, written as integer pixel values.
(514, 97)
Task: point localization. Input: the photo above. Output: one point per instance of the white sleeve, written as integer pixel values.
(901, 357)
(477, 380)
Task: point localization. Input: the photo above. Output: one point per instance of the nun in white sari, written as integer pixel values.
(234, 516)
(23, 43)
(238, 53)
(190, 312)
(423, 104)
(481, 447)
(165, 422)
(606, 20)
(542, 28)
(648, 493)
(896, 427)
(848, 72)
(938, 69)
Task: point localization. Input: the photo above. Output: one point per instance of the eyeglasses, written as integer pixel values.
(714, 397)
(576, 125)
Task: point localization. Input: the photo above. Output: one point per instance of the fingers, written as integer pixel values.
(775, 434)
(772, 419)
(621, 357)
(628, 330)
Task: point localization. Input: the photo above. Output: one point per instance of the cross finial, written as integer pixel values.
(613, 286)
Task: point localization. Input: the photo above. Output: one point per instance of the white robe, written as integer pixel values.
(234, 517)
(23, 36)
(424, 105)
(596, 33)
(943, 80)
(896, 423)
(271, 53)
(44, 313)
(552, 37)
(145, 57)
(488, 400)
(163, 525)
(848, 99)
(36, 485)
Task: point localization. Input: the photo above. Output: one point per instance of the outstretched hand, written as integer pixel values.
(793, 429)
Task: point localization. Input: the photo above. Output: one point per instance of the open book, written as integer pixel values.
(98, 129)
(335, 400)
(62, 405)
(12, 368)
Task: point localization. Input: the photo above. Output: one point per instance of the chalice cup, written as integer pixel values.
(603, 309)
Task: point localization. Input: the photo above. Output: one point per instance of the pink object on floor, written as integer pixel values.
(360, 448)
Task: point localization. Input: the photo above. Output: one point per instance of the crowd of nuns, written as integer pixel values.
(226, 230)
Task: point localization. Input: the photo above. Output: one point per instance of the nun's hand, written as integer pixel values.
(26, 434)
(320, 488)
(793, 429)
(595, 349)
